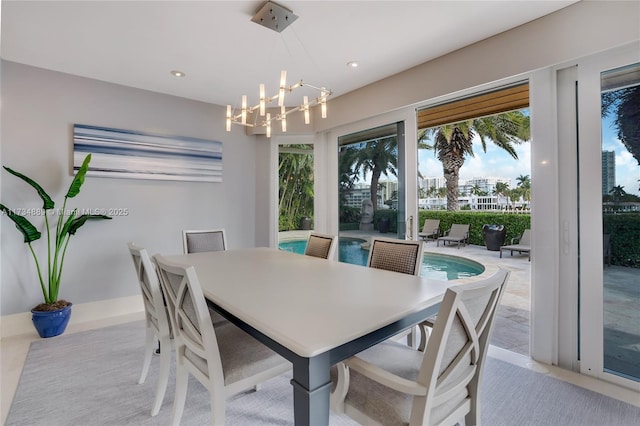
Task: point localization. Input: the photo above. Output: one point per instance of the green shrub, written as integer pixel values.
(515, 224)
(624, 229)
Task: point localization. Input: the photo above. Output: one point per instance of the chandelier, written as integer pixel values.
(276, 18)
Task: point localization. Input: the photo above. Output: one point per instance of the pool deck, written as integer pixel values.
(511, 330)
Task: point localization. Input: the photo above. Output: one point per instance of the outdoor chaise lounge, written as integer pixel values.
(523, 244)
(431, 229)
(459, 233)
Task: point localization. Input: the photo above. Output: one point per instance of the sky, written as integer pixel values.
(494, 163)
(627, 168)
(497, 163)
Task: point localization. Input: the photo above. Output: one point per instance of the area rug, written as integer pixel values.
(90, 378)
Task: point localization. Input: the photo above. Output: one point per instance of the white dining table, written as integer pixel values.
(313, 312)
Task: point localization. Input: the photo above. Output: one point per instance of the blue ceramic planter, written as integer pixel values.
(51, 323)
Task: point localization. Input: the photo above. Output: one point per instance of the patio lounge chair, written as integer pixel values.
(523, 244)
(459, 233)
(431, 229)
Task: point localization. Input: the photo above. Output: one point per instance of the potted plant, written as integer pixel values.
(51, 317)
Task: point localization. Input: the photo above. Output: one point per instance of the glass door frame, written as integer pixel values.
(590, 210)
(406, 115)
(275, 143)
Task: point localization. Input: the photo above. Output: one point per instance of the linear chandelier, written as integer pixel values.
(257, 115)
(276, 17)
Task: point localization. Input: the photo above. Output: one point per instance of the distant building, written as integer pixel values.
(359, 192)
(608, 171)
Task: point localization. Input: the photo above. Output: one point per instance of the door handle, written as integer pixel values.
(409, 228)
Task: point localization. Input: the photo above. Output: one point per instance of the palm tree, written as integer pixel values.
(618, 193)
(623, 103)
(347, 175)
(502, 189)
(453, 142)
(476, 190)
(524, 184)
(378, 157)
(295, 173)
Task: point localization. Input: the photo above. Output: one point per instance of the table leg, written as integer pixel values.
(311, 389)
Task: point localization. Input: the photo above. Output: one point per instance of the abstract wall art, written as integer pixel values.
(138, 155)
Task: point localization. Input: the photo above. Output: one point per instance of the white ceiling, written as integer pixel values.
(225, 55)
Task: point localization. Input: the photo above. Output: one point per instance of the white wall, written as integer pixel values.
(39, 108)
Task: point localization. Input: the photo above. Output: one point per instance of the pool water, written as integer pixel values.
(434, 266)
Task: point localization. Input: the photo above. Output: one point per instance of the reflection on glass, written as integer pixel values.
(621, 220)
(369, 190)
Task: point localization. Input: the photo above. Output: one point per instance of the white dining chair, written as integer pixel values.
(392, 384)
(158, 326)
(205, 240)
(202, 240)
(320, 245)
(225, 359)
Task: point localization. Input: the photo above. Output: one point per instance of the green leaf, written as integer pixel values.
(27, 229)
(65, 229)
(78, 180)
(47, 201)
(81, 220)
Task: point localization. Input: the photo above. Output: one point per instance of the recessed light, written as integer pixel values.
(177, 73)
(352, 64)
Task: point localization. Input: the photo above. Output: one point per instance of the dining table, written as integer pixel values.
(314, 312)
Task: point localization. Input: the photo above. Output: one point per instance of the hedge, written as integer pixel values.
(515, 224)
(624, 229)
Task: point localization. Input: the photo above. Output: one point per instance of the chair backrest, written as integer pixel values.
(152, 294)
(525, 239)
(431, 226)
(458, 345)
(403, 256)
(459, 230)
(193, 328)
(196, 241)
(320, 245)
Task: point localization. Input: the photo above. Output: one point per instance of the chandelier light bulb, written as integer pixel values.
(262, 100)
(323, 102)
(283, 85)
(283, 115)
(268, 125)
(244, 110)
(305, 107)
(228, 118)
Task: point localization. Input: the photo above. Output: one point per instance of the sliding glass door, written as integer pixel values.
(609, 262)
(371, 188)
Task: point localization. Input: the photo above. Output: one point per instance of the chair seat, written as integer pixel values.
(516, 247)
(390, 407)
(241, 355)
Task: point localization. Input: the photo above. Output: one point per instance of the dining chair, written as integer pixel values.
(196, 241)
(158, 326)
(391, 383)
(404, 256)
(319, 245)
(205, 240)
(225, 359)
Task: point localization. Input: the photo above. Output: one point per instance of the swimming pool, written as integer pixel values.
(435, 266)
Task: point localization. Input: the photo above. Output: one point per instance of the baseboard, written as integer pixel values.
(20, 324)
